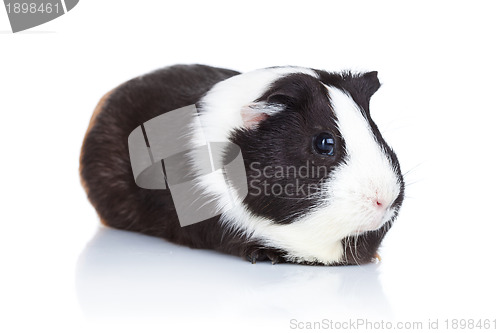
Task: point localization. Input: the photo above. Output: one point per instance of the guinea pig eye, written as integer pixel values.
(324, 143)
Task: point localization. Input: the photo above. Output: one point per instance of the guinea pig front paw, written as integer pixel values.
(376, 257)
(256, 253)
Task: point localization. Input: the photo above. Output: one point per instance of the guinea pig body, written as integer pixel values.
(323, 185)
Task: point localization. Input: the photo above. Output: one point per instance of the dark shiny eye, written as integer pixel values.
(324, 143)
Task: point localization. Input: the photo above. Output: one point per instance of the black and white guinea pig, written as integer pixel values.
(282, 118)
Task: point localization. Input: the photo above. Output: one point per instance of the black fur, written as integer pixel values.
(285, 142)
(105, 163)
(285, 139)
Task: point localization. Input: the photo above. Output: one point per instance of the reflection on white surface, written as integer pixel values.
(125, 274)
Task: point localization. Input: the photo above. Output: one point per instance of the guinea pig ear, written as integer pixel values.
(253, 114)
(286, 92)
(282, 97)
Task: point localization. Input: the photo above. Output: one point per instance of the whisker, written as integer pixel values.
(356, 238)
(413, 182)
(345, 248)
(413, 169)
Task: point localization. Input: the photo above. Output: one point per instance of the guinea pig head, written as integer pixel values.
(323, 185)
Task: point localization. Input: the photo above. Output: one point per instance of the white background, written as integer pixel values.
(438, 107)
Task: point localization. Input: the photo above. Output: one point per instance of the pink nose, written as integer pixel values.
(379, 203)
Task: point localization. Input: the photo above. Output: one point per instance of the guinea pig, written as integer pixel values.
(324, 187)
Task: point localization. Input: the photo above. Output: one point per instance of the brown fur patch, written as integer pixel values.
(97, 111)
